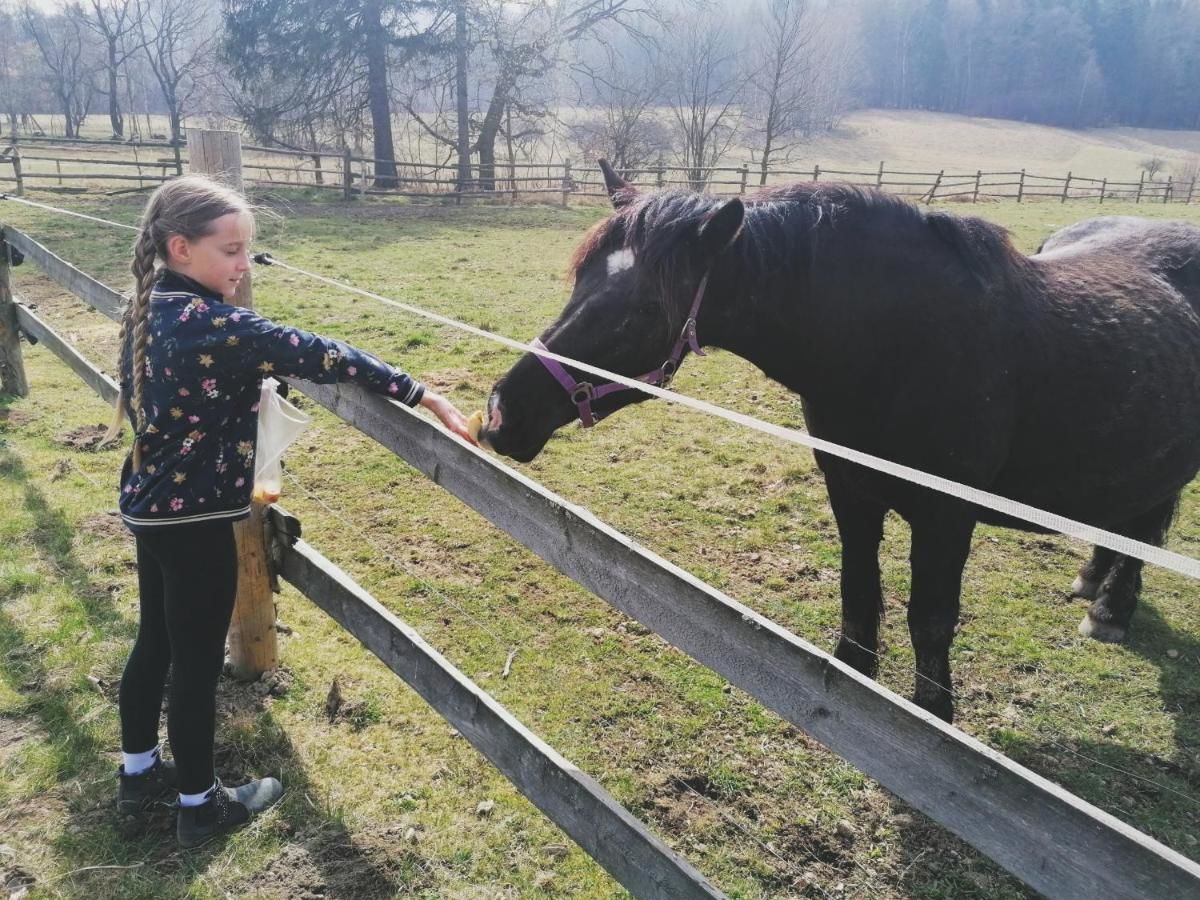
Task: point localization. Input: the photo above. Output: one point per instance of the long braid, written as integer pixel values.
(143, 271)
(134, 324)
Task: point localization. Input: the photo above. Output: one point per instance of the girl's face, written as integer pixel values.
(220, 258)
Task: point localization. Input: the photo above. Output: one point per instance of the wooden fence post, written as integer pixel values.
(978, 178)
(937, 182)
(12, 367)
(879, 177)
(253, 647)
(1167, 192)
(1021, 186)
(660, 174)
(16, 161)
(816, 173)
(1141, 184)
(347, 174)
(1066, 188)
(1103, 189)
(1191, 190)
(745, 177)
(566, 182)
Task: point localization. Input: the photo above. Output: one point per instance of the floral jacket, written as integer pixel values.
(205, 361)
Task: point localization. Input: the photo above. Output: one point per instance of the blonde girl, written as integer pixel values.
(191, 366)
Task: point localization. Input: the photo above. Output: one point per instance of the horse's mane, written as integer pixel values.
(786, 223)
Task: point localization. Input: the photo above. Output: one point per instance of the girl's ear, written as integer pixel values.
(178, 249)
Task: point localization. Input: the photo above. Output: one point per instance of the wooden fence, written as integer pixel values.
(149, 164)
(1055, 842)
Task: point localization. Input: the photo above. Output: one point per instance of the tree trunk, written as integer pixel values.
(174, 114)
(377, 97)
(68, 103)
(464, 135)
(488, 131)
(114, 101)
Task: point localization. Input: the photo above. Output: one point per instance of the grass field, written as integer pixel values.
(382, 801)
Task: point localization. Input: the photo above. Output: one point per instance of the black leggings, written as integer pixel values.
(187, 577)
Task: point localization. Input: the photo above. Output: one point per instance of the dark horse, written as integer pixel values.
(1068, 380)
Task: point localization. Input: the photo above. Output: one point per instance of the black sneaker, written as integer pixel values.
(137, 793)
(225, 810)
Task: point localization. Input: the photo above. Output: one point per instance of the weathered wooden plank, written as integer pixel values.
(620, 843)
(1055, 842)
(12, 368)
(36, 328)
(99, 296)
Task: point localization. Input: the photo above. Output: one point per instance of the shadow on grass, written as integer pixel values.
(308, 849)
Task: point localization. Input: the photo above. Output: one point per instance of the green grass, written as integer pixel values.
(753, 803)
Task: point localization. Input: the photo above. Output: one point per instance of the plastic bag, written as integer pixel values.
(279, 424)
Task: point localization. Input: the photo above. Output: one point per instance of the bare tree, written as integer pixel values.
(704, 87)
(780, 92)
(623, 129)
(178, 38)
(115, 23)
(65, 54)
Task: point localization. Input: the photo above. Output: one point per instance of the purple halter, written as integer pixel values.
(583, 393)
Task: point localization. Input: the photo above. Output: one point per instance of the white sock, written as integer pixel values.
(196, 799)
(136, 763)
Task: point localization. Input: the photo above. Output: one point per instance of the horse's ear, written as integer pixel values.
(721, 228)
(620, 191)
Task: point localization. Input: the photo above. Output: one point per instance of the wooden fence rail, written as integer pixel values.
(355, 175)
(1055, 842)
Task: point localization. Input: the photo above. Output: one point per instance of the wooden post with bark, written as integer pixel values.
(12, 367)
(1021, 187)
(1066, 188)
(253, 647)
(347, 175)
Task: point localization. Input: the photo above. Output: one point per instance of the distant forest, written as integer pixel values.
(1061, 62)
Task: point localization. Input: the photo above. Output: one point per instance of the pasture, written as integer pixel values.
(384, 799)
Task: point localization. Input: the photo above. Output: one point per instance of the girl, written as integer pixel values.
(191, 364)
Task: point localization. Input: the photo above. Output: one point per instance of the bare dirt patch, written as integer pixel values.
(15, 417)
(329, 863)
(85, 438)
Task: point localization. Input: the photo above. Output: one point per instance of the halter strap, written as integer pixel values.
(583, 393)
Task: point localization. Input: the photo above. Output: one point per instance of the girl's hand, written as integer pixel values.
(449, 415)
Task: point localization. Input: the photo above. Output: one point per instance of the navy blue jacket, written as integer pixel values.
(205, 362)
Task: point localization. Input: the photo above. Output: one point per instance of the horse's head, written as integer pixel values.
(637, 276)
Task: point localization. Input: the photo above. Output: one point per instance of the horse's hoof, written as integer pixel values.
(1082, 587)
(1102, 631)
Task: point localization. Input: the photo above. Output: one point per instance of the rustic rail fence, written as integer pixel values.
(1055, 842)
(38, 164)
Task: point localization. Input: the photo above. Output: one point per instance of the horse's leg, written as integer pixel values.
(1107, 619)
(941, 542)
(1093, 572)
(860, 525)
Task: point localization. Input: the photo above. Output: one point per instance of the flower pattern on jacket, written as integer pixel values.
(202, 406)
